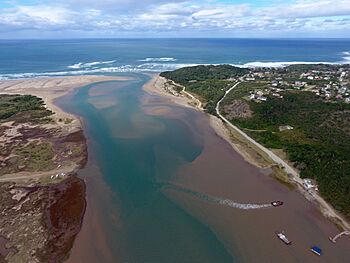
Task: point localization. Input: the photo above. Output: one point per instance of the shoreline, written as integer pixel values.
(51, 88)
(248, 151)
(54, 224)
(154, 86)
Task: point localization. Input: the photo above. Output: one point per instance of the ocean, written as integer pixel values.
(33, 58)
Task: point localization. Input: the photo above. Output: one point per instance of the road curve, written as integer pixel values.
(272, 155)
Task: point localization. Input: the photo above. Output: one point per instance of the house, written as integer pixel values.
(260, 93)
(298, 83)
(339, 97)
(309, 184)
(261, 98)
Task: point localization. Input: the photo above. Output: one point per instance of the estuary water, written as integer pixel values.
(163, 187)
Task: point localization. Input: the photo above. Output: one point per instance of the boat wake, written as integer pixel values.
(217, 200)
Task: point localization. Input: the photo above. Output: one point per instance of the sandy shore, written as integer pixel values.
(46, 203)
(247, 150)
(156, 86)
(51, 88)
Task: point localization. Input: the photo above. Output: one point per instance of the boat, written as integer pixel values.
(282, 236)
(276, 203)
(316, 250)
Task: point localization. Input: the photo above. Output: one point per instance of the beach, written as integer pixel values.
(51, 88)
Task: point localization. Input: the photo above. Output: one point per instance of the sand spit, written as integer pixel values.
(40, 192)
(52, 88)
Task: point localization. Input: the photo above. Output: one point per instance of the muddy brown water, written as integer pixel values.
(136, 148)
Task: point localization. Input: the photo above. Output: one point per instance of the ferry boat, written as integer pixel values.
(282, 236)
(276, 203)
(316, 250)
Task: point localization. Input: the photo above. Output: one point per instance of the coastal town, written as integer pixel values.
(331, 83)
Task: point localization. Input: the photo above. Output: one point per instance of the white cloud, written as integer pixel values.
(307, 8)
(54, 15)
(189, 16)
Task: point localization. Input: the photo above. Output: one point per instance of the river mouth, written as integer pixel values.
(139, 144)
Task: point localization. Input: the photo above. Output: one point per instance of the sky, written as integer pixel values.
(177, 18)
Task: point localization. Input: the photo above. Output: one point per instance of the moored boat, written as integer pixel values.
(316, 250)
(282, 236)
(276, 203)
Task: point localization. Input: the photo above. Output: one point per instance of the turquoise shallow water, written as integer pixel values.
(137, 154)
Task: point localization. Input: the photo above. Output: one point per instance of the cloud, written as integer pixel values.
(114, 16)
(36, 17)
(307, 8)
(112, 6)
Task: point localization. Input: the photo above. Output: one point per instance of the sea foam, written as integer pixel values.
(90, 64)
(152, 65)
(260, 64)
(146, 67)
(217, 200)
(158, 60)
(346, 56)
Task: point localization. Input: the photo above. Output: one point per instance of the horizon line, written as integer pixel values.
(150, 38)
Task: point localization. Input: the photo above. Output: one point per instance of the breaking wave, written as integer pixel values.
(218, 200)
(150, 65)
(90, 64)
(147, 67)
(346, 56)
(158, 60)
(259, 64)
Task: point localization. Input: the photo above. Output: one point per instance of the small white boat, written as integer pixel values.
(276, 203)
(282, 236)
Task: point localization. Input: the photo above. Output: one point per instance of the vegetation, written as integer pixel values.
(319, 144)
(21, 108)
(208, 82)
(35, 156)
